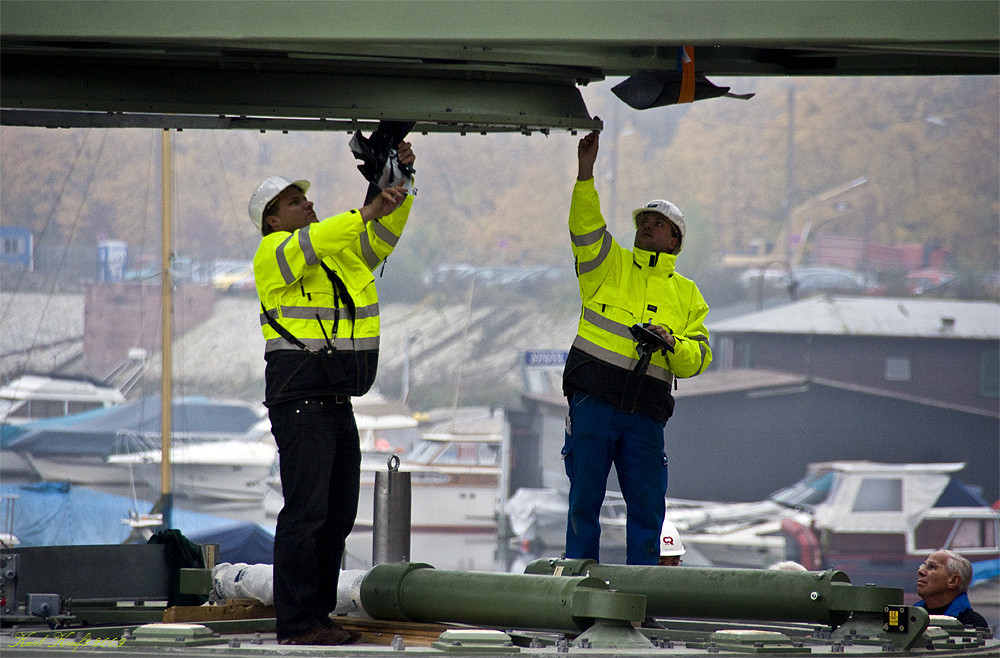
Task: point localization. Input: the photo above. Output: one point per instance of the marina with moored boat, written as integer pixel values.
(123, 578)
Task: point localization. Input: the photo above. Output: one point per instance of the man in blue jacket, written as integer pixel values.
(942, 582)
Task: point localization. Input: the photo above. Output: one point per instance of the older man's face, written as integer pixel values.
(933, 578)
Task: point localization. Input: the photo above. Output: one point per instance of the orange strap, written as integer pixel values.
(686, 55)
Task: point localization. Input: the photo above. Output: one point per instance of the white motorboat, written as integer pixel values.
(874, 521)
(213, 473)
(454, 482)
(32, 397)
(538, 518)
(456, 475)
(92, 448)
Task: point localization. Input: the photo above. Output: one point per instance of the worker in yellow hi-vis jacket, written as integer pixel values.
(642, 325)
(320, 318)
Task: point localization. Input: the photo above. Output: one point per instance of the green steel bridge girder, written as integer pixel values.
(484, 66)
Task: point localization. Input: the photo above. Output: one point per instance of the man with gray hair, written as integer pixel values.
(942, 582)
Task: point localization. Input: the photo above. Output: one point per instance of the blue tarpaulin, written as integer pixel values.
(984, 571)
(132, 426)
(243, 541)
(59, 514)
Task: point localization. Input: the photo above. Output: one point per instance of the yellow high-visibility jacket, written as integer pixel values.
(335, 326)
(619, 288)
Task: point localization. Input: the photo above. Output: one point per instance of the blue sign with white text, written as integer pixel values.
(545, 357)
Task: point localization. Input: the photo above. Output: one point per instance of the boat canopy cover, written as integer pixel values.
(868, 497)
(59, 514)
(959, 494)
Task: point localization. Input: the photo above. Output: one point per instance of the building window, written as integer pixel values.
(13, 247)
(722, 353)
(897, 369)
(744, 355)
(989, 374)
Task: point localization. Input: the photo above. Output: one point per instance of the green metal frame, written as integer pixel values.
(488, 65)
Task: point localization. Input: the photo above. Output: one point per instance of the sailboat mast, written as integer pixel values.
(166, 315)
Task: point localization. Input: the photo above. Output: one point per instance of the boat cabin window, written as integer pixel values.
(810, 492)
(424, 452)
(469, 454)
(43, 409)
(489, 455)
(879, 495)
(459, 453)
(32, 409)
(10, 409)
(957, 534)
(80, 407)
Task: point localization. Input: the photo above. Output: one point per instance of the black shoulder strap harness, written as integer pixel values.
(339, 292)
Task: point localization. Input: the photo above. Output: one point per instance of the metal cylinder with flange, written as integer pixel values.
(391, 519)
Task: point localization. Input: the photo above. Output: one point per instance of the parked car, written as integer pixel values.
(225, 279)
(775, 276)
(247, 284)
(929, 280)
(812, 280)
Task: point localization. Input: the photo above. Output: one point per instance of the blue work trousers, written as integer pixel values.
(597, 436)
(320, 459)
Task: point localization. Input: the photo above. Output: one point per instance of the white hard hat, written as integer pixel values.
(670, 540)
(266, 193)
(668, 210)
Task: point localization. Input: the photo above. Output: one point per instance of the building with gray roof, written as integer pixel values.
(941, 351)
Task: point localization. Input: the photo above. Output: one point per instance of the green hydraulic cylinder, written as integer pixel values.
(823, 597)
(416, 592)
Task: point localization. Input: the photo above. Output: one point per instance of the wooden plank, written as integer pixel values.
(233, 609)
(375, 631)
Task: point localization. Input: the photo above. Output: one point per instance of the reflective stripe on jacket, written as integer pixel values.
(621, 287)
(296, 291)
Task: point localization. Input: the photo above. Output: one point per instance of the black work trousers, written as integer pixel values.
(320, 459)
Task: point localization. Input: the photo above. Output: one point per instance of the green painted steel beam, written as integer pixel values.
(196, 581)
(313, 25)
(456, 104)
(486, 65)
(599, 37)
